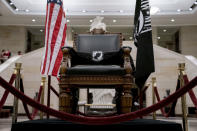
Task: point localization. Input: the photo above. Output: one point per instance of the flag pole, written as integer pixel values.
(42, 95)
(48, 94)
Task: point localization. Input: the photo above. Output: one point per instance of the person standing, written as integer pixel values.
(2, 56)
(9, 53)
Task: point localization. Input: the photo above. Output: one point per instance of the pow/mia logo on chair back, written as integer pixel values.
(97, 55)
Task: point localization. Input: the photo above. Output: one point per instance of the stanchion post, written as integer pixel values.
(17, 86)
(183, 98)
(153, 95)
(42, 95)
(49, 94)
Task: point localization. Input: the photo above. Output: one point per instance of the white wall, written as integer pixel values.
(154, 35)
(37, 41)
(188, 40)
(13, 38)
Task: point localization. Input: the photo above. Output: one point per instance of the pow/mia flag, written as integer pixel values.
(143, 41)
(97, 56)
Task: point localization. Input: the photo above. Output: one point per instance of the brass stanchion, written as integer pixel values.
(42, 95)
(17, 85)
(183, 98)
(49, 94)
(153, 95)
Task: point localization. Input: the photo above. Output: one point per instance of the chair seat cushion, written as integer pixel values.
(96, 70)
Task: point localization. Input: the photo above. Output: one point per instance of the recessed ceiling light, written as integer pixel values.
(33, 20)
(190, 9)
(83, 11)
(102, 11)
(130, 38)
(121, 11)
(179, 10)
(67, 20)
(26, 10)
(172, 20)
(158, 38)
(11, 3)
(114, 21)
(17, 9)
(154, 10)
(164, 30)
(41, 30)
(195, 3)
(91, 21)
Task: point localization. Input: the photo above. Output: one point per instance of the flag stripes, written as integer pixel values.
(55, 35)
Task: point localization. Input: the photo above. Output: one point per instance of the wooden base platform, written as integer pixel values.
(134, 125)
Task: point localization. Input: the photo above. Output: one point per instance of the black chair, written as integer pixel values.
(96, 61)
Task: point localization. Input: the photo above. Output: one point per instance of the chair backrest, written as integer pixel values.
(97, 42)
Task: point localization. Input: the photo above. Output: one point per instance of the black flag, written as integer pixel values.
(143, 41)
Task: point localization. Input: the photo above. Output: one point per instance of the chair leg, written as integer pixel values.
(75, 99)
(118, 99)
(65, 99)
(126, 99)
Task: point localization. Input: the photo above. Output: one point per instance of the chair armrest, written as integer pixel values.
(124, 47)
(65, 61)
(67, 47)
(127, 61)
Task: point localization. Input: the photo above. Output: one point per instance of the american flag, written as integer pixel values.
(55, 37)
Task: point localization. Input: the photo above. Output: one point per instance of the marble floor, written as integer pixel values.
(5, 123)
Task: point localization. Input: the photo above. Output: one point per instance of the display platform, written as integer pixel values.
(134, 125)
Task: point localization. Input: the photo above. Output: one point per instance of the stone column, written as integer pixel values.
(188, 44)
(154, 35)
(69, 34)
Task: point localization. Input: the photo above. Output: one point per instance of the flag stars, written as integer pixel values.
(59, 1)
(55, 1)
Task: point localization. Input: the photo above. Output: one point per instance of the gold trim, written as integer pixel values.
(43, 81)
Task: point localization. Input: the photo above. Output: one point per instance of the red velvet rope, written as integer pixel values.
(34, 113)
(6, 93)
(191, 92)
(158, 99)
(38, 100)
(141, 97)
(96, 120)
(174, 103)
(141, 92)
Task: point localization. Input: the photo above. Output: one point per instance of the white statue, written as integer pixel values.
(97, 24)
